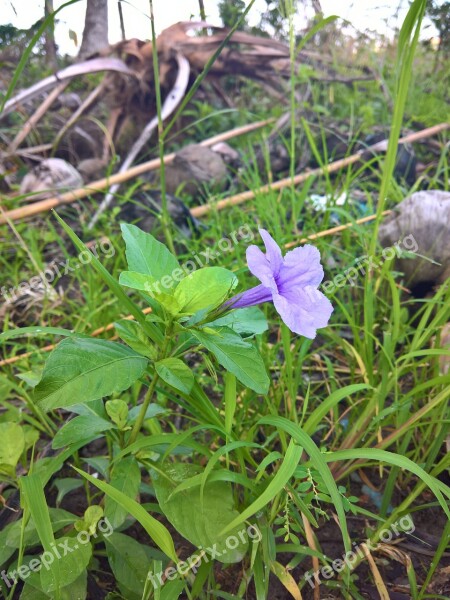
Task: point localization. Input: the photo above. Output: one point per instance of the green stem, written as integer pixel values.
(151, 390)
(165, 217)
(141, 417)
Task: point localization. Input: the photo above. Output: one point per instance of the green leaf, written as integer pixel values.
(85, 369)
(92, 515)
(146, 255)
(390, 458)
(66, 485)
(34, 502)
(12, 443)
(199, 522)
(126, 477)
(34, 330)
(152, 411)
(277, 483)
(32, 589)
(174, 372)
(319, 413)
(11, 535)
(245, 321)
(153, 332)
(80, 428)
(128, 561)
(74, 560)
(133, 335)
(156, 530)
(118, 412)
(205, 288)
(137, 281)
(237, 356)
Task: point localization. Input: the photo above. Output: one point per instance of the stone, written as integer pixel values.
(425, 216)
(194, 168)
(48, 178)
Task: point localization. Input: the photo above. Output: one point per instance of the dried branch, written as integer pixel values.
(172, 101)
(90, 66)
(37, 116)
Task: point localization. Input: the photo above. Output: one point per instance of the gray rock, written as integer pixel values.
(195, 167)
(425, 218)
(49, 177)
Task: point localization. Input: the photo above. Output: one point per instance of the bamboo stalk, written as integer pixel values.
(200, 211)
(96, 186)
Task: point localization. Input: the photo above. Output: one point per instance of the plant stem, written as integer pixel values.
(151, 390)
(165, 217)
(141, 417)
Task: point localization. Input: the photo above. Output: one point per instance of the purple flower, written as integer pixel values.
(291, 283)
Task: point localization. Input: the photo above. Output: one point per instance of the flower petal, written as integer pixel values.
(304, 310)
(260, 267)
(301, 268)
(273, 251)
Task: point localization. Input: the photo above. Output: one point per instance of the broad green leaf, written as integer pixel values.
(138, 281)
(12, 443)
(170, 303)
(174, 372)
(11, 534)
(153, 332)
(172, 589)
(205, 288)
(118, 412)
(32, 589)
(133, 335)
(59, 519)
(146, 255)
(80, 428)
(198, 522)
(85, 369)
(64, 486)
(74, 558)
(128, 561)
(237, 356)
(245, 321)
(156, 530)
(126, 477)
(92, 515)
(153, 410)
